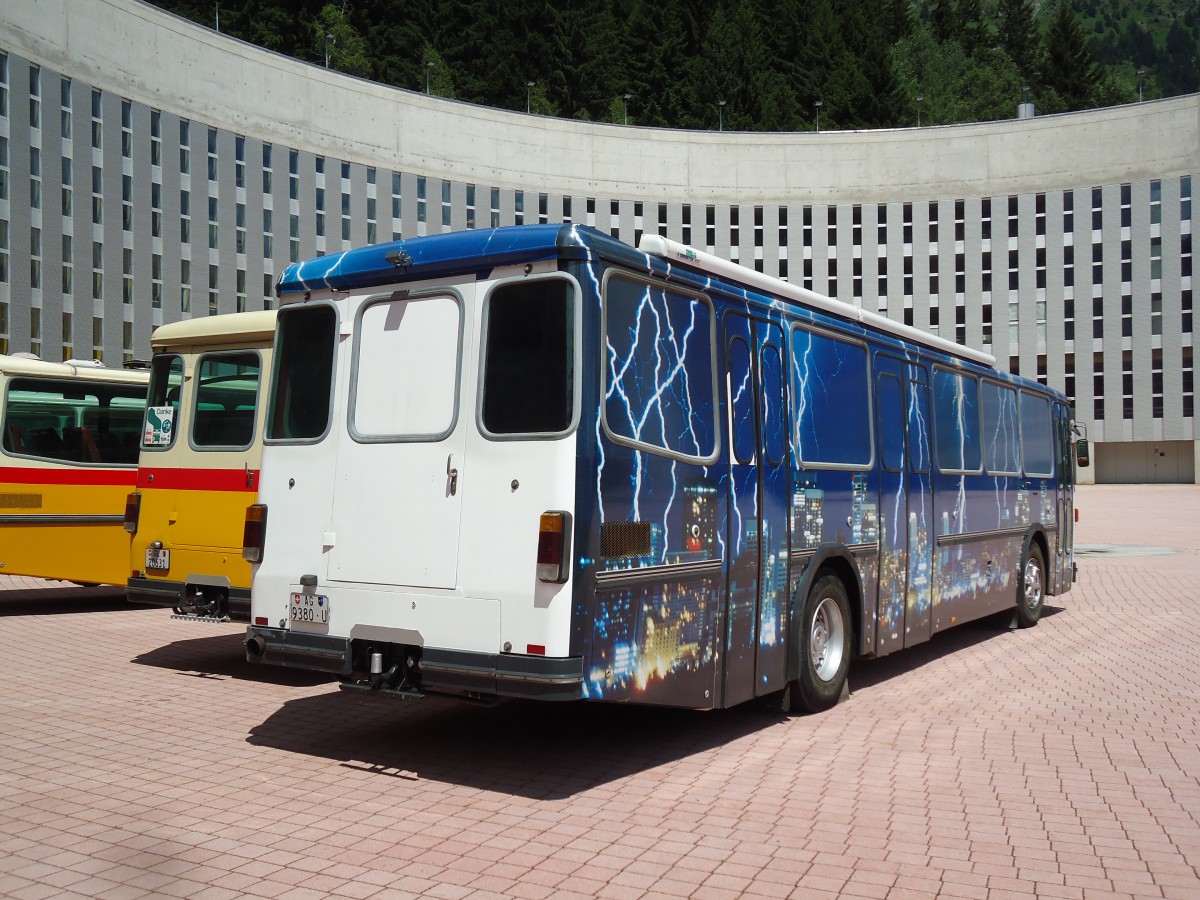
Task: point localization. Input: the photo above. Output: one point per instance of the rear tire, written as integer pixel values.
(1031, 587)
(824, 648)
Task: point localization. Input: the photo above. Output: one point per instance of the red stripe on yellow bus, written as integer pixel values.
(23, 475)
(199, 479)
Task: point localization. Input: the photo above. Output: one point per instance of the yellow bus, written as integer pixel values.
(198, 469)
(69, 456)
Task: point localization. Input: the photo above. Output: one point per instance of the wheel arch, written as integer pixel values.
(835, 560)
(1036, 534)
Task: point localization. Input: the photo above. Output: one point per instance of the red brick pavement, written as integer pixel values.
(141, 757)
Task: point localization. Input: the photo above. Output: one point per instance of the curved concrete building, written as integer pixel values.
(152, 169)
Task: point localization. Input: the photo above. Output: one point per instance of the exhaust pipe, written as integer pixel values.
(255, 647)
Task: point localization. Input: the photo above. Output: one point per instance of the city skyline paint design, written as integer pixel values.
(668, 639)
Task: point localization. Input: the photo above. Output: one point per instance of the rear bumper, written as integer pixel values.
(437, 670)
(175, 594)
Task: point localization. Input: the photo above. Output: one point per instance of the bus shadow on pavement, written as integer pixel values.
(526, 748)
(223, 656)
(869, 673)
(65, 600)
(549, 750)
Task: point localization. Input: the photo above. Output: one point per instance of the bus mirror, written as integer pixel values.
(1082, 459)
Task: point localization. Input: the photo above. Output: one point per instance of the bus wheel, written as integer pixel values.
(824, 648)
(1031, 587)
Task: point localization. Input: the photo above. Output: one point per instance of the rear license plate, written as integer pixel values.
(310, 608)
(158, 560)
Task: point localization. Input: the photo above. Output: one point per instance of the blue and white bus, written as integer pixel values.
(537, 462)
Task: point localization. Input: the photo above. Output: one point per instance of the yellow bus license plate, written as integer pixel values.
(158, 560)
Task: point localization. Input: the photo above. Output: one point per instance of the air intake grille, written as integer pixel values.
(622, 539)
(20, 501)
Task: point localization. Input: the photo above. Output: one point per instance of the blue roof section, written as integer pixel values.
(435, 256)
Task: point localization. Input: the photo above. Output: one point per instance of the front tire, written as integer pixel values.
(1031, 587)
(824, 647)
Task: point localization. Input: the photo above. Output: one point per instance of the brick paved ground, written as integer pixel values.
(141, 757)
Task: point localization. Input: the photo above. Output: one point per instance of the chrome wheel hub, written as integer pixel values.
(1033, 585)
(827, 640)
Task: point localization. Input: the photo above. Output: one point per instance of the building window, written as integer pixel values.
(97, 124)
(127, 129)
(185, 153)
(35, 97)
(185, 285)
(212, 154)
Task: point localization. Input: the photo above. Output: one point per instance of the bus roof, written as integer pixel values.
(433, 256)
(462, 252)
(229, 328)
(40, 368)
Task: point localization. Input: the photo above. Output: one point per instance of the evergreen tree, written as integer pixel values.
(662, 50)
(943, 16)
(822, 48)
(867, 95)
(898, 19)
(973, 31)
(1019, 36)
(1071, 70)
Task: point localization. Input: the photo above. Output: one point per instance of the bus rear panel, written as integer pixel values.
(201, 451)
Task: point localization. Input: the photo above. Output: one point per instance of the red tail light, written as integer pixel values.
(554, 547)
(254, 533)
(133, 510)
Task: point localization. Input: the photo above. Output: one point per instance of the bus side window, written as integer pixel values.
(956, 422)
(1037, 436)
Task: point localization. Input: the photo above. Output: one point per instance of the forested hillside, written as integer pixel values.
(755, 65)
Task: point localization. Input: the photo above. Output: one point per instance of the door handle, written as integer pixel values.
(452, 474)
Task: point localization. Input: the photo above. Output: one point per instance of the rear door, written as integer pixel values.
(755, 661)
(397, 498)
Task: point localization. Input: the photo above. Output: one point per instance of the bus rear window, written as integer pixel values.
(226, 395)
(528, 383)
(303, 374)
(162, 406)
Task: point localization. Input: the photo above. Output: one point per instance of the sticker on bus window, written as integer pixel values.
(160, 426)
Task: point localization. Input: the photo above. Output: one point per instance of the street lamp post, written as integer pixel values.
(818, 104)
(529, 95)
(218, 25)
(1141, 74)
(920, 100)
(720, 115)
(625, 107)
(428, 69)
(328, 40)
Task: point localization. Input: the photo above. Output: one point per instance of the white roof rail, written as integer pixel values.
(689, 257)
